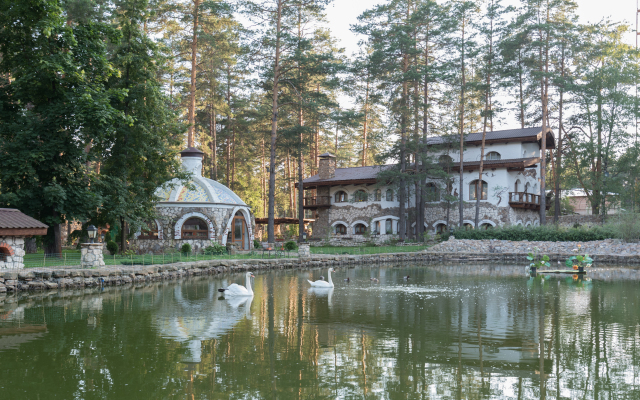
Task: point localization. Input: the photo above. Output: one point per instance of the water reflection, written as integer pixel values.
(483, 332)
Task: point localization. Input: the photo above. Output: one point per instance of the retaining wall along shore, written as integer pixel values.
(34, 279)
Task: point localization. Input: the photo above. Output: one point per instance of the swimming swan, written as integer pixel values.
(323, 284)
(239, 290)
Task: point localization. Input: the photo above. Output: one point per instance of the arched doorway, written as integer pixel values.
(239, 234)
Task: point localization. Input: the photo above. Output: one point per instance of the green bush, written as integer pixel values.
(257, 244)
(626, 226)
(549, 233)
(112, 247)
(186, 248)
(215, 249)
(290, 246)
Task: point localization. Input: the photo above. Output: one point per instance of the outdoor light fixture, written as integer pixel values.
(92, 231)
(304, 236)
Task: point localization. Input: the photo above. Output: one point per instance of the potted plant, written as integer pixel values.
(579, 262)
(536, 260)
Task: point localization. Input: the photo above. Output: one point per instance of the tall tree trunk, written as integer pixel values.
(274, 124)
(233, 158)
(365, 125)
(123, 235)
(521, 91)
(194, 65)
(289, 184)
(543, 151)
(487, 111)
(558, 163)
(461, 165)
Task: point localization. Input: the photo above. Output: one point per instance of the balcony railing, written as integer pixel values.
(526, 200)
(317, 201)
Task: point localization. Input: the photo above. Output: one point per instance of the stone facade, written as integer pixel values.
(569, 221)
(12, 248)
(91, 255)
(170, 220)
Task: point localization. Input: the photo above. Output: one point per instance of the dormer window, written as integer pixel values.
(493, 155)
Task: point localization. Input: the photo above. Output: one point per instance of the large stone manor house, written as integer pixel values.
(352, 203)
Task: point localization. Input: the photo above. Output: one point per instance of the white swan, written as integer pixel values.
(323, 284)
(239, 290)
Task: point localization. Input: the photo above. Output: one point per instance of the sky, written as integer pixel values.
(341, 14)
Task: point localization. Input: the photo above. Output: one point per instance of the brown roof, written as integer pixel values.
(353, 175)
(506, 135)
(357, 175)
(11, 218)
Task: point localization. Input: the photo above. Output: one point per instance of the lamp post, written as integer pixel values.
(92, 231)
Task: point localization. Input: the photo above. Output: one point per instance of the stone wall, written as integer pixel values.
(13, 247)
(169, 216)
(91, 255)
(599, 247)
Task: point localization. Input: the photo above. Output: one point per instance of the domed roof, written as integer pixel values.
(199, 189)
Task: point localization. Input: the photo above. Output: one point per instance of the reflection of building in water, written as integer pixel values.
(190, 321)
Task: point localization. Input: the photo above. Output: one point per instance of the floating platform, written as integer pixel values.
(560, 271)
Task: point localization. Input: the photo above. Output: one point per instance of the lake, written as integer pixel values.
(447, 332)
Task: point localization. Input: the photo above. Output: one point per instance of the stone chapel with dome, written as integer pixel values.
(197, 212)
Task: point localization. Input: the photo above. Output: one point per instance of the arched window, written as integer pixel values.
(388, 227)
(378, 195)
(445, 160)
(341, 196)
(492, 155)
(441, 228)
(467, 226)
(526, 187)
(359, 229)
(341, 229)
(194, 228)
(472, 190)
(360, 196)
(149, 231)
(486, 226)
(431, 192)
(4, 253)
(389, 195)
(517, 186)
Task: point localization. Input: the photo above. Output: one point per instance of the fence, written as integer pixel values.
(72, 259)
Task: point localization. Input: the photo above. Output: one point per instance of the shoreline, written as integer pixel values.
(43, 279)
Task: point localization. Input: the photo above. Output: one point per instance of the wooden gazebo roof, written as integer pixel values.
(15, 223)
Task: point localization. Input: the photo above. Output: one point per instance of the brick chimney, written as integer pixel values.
(327, 167)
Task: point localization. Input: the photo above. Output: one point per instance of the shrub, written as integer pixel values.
(290, 246)
(186, 248)
(256, 244)
(112, 247)
(626, 227)
(539, 233)
(215, 249)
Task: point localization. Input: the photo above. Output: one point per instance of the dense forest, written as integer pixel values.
(98, 96)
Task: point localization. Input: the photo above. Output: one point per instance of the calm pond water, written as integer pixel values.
(443, 334)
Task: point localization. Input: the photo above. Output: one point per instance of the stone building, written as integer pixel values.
(14, 228)
(198, 212)
(352, 203)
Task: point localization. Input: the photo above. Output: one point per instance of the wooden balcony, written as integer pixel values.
(526, 200)
(317, 202)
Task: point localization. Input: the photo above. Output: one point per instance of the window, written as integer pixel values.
(195, 228)
(341, 197)
(389, 195)
(388, 225)
(486, 226)
(431, 192)
(441, 228)
(341, 229)
(378, 195)
(149, 230)
(472, 190)
(467, 226)
(359, 229)
(445, 160)
(526, 187)
(492, 155)
(4, 253)
(376, 228)
(360, 196)
(518, 185)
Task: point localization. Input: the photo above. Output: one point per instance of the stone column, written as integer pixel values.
(91, 255)
(304, 250)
